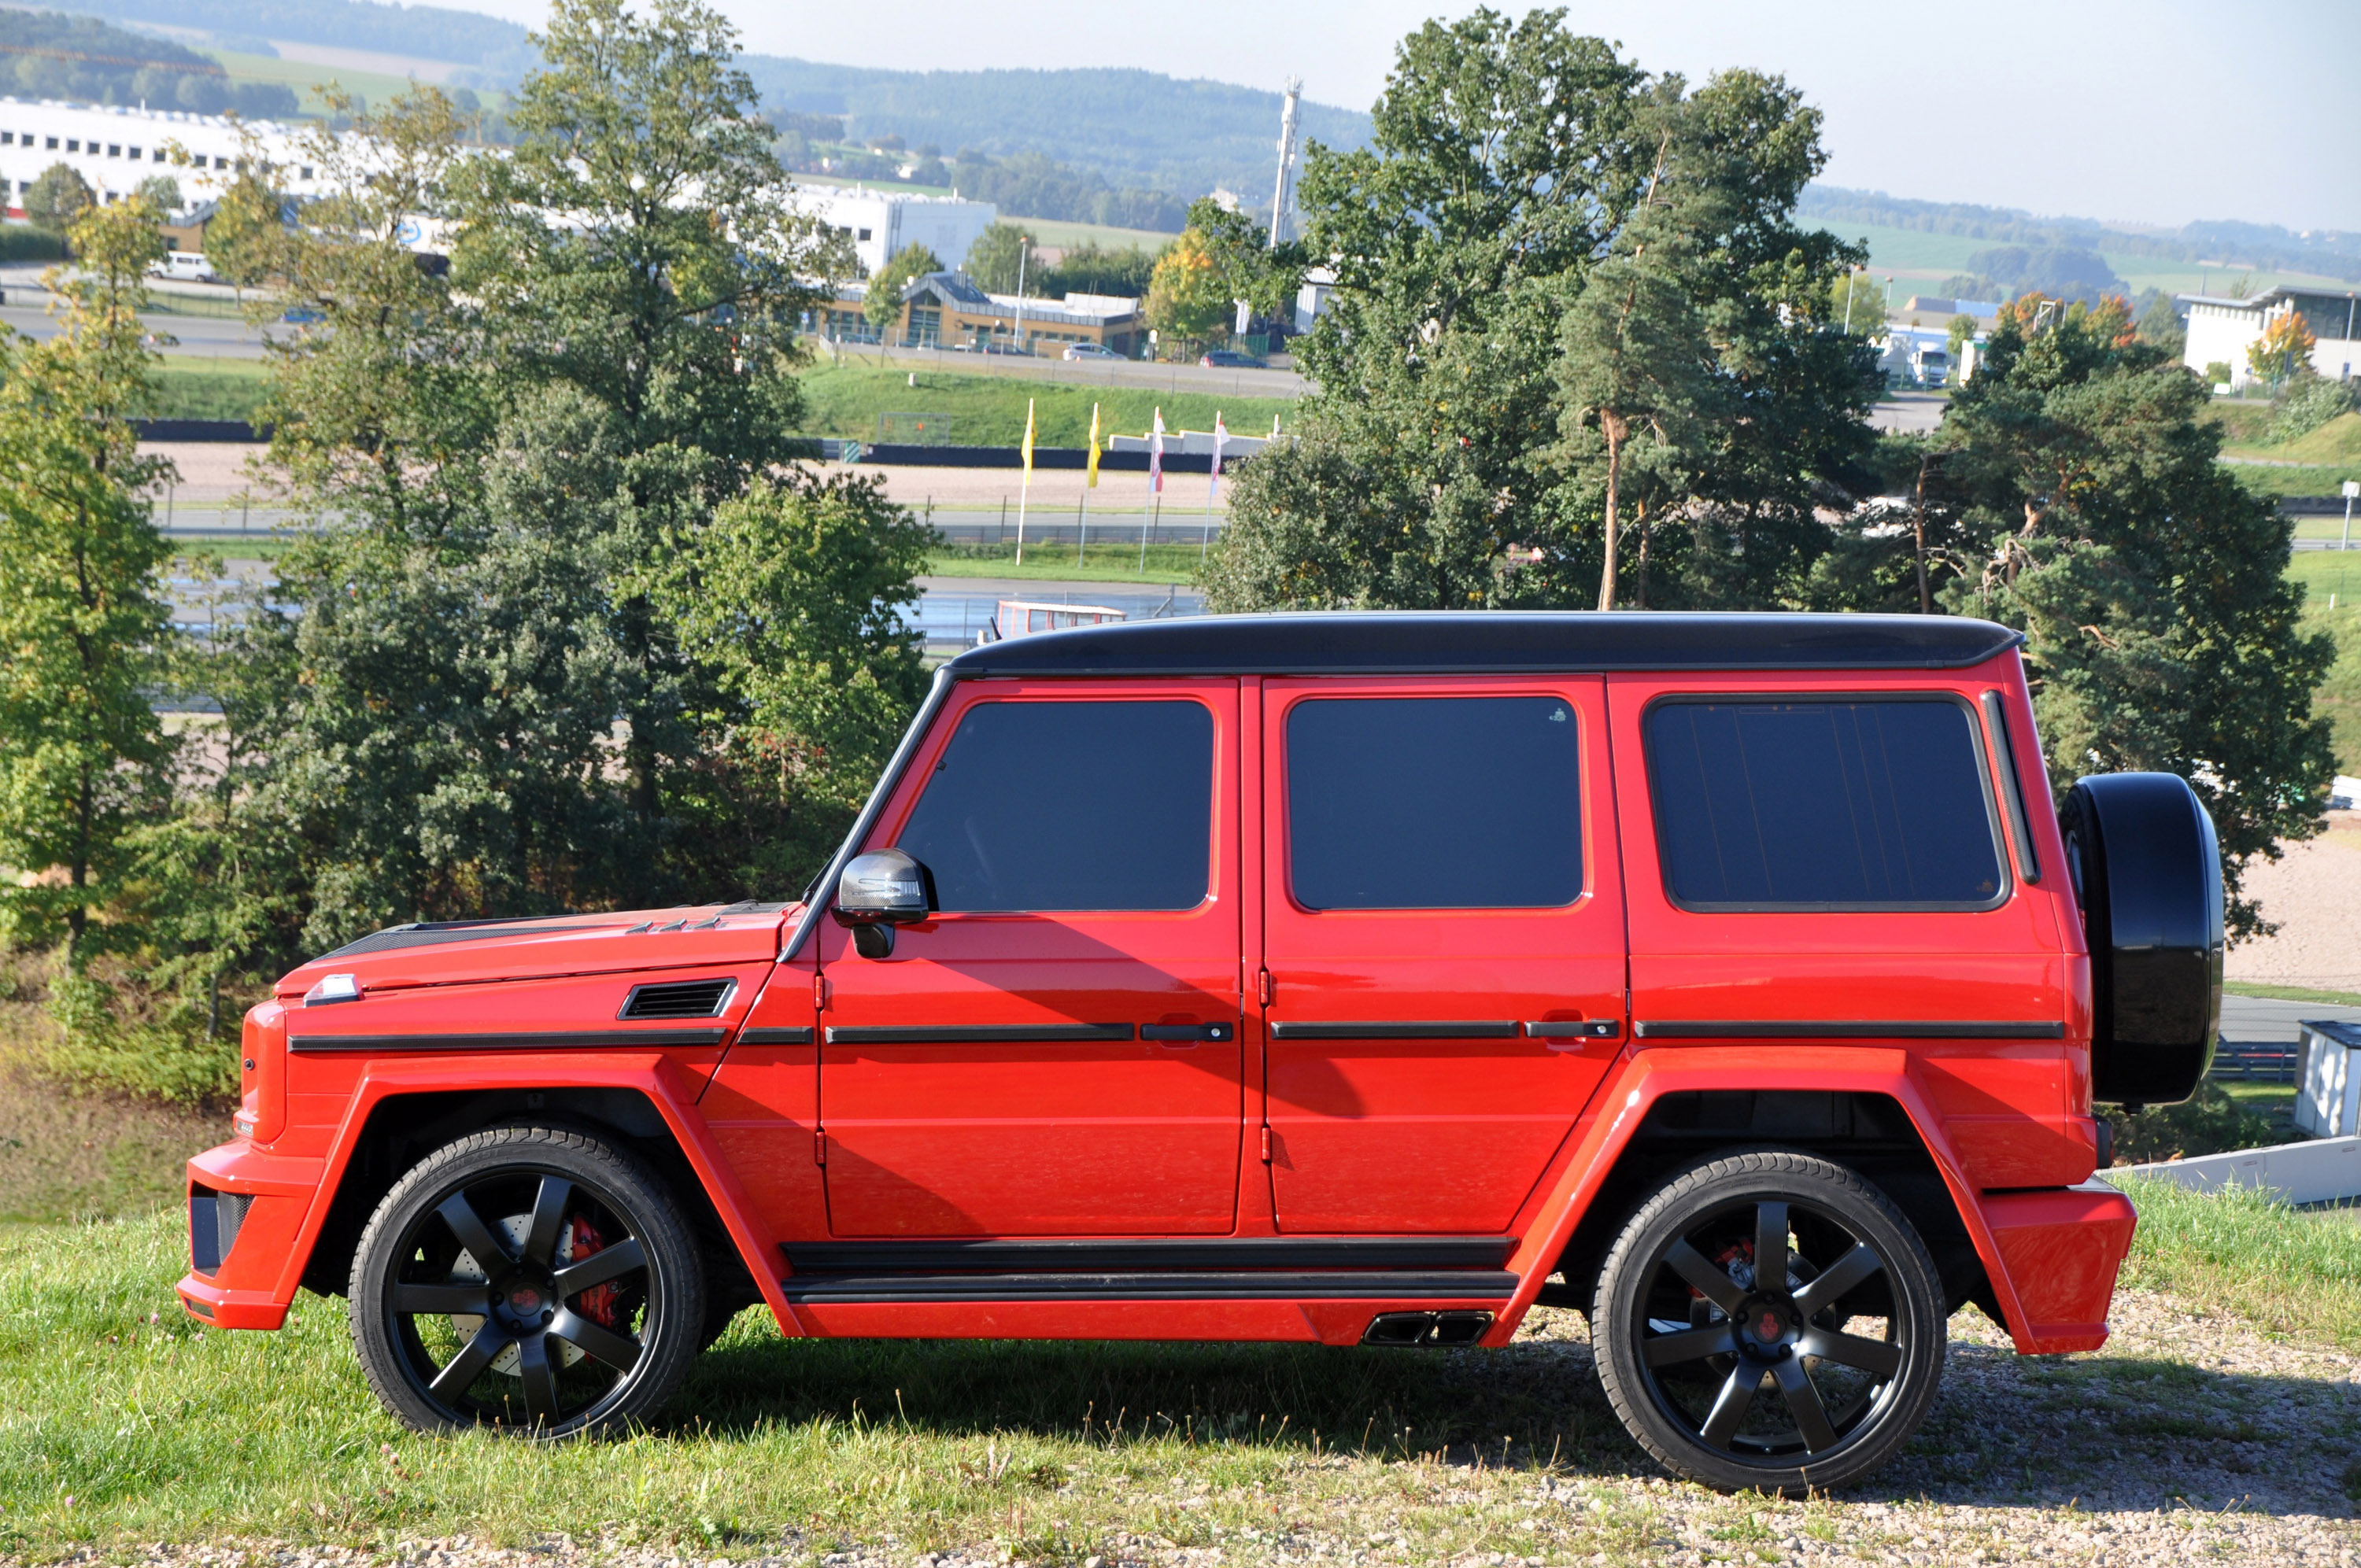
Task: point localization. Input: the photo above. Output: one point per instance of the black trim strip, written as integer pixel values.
(1386, 1285)
(570, 1040)
(1844, 1029)
(1295, 1253)
(2029, 858)
(975, 1034)
(1446, 1029)
(769, 1035)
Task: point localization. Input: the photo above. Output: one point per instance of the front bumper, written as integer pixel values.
(246, 1213)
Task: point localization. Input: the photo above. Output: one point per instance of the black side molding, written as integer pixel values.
(770, 1035)
(1201, 1254)
(1375, 1285)
(974, 1034)
(567, 1040)
(1845, 1029)
(1444, 1029)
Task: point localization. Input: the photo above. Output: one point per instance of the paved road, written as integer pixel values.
(1915, 413)
(2264, 1021)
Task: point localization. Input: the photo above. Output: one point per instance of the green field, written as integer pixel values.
(845, 398)
(196, 386)
(379, 88)
(1919, 262)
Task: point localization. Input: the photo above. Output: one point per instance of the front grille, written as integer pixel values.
(679, 998)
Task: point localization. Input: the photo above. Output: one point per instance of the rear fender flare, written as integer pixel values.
(654, 1077)
(1648, 1075)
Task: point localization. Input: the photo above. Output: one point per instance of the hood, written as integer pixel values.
(466, 952)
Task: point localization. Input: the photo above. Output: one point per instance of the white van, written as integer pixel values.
(183, 265)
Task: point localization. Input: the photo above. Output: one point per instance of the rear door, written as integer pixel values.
(1444, 937)
(1057, 1053)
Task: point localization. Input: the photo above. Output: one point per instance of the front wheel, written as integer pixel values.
(1769, 1320)
(531, 1278)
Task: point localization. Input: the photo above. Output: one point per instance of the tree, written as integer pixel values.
(2151, 585)
(2160, 324)
(1189, 292)
(58, 196)
(163, 192)
(883, 304)
(1435, 467)
(83, 759)
(796, 598)
(1856, 305)
(1087, 269)
(2286, 344)
(243, 237)
(996, 259)
(1962, 332)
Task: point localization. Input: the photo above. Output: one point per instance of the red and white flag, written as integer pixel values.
(1156, 454)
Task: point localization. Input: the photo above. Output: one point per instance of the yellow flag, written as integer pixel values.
(1029, 435)
(1093, 481)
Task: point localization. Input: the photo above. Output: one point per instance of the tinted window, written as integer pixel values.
(1434, 803)
(1069, 806)
(1821, 805)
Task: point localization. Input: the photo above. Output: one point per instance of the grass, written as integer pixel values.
(2287, 1270)
(845, 398)
(2291, 993)
(197, 387)
(379, 87)
(1112, 562)
(2336, 442)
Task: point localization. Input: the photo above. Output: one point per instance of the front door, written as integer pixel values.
(1057, 1052)
(1444, 935)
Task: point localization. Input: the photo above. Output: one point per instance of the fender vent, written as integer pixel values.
(678, 999)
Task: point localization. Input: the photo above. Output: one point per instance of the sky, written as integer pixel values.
(2142, 111)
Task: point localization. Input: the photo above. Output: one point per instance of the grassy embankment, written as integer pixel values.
(845, 398)
(198, 387)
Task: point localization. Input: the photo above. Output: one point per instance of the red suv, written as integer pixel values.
(1358, 979)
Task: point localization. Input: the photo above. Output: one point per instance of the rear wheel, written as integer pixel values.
(531, 1278)
(1770, 1321)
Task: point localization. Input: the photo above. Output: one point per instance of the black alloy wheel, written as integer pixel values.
(1770, 1321)
(531, 1278)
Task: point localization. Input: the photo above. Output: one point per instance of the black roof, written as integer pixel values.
(1495, 642)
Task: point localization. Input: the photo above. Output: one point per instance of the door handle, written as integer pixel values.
(1188, 1034)
(1568, 1036)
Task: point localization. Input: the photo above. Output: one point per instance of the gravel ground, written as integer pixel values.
(2191, 1438)
(2309, 896)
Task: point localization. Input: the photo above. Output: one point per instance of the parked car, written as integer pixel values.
(1091, 351)
(1729, 978)
(1230, 359)
(183, 265)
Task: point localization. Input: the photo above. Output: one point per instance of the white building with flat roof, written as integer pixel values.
(2222, 330)
(880, 223)
(114, 147)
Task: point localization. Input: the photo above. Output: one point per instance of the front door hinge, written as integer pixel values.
(820, 991)
(1262, 986)
(819, 1146)
(1265, 1145)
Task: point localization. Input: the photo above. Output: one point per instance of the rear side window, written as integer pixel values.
(1819, 805)
(1434, 803)
(1069, 806)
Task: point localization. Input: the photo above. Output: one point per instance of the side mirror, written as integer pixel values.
(879, 891)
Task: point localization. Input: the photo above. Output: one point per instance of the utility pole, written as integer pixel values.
(1024, 244)
(2351, 488)
(1282, 200)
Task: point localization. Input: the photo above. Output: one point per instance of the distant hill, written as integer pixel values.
(496, 49)
(2263, 247)
(46, 55)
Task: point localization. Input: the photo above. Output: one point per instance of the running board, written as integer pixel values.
(1386, 1285)
(1208, 1253)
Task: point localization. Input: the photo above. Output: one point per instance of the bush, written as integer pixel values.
(23, 242)
(2208, 1122)
(2308, 402)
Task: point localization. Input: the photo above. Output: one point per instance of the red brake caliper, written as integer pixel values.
(599, 1303)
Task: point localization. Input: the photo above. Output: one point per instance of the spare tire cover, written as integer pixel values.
(2147, 871)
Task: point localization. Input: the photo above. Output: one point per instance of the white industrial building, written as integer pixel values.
(880, 223)
(115, 148)
(2222, 330)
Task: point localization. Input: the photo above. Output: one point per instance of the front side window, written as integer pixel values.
(1434, 803)
(1844, 803)
(1069, 806)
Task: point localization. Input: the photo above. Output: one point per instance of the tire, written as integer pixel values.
(1742, 1389)
(586, 1324)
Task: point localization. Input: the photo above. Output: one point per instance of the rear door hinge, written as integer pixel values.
(819, 1146)
(1263, 986)
(1265, 1145)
